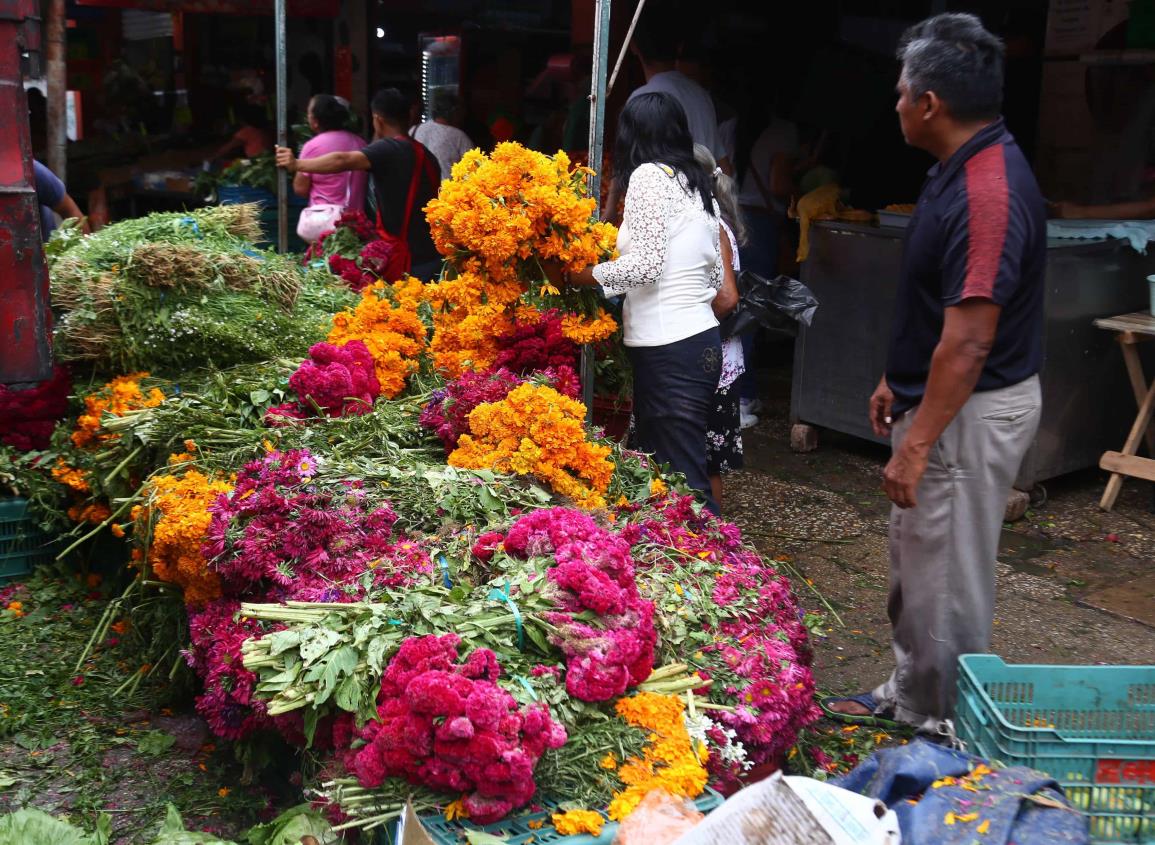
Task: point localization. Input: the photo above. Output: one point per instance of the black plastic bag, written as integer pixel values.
(777, 304)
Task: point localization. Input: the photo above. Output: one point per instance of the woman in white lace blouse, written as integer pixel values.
(669, 271)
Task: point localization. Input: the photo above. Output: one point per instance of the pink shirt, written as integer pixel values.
(330, 188)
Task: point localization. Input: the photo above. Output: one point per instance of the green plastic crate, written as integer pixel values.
(22, 544)
(516, 829)
(1091, 728)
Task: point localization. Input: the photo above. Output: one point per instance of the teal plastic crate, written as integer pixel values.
(22, 545)
(516, 830)
(1091, 728)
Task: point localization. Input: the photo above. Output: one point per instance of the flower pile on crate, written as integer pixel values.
(407, 552)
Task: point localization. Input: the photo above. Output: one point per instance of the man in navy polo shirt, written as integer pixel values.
(960, 397)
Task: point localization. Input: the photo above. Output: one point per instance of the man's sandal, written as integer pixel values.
(869, 702)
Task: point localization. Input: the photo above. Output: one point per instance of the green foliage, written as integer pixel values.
(172, 832)
(172, 292)
(84, 739)
(289, 827)
(257, 172)
(35, 827)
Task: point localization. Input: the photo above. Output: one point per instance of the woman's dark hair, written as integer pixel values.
(329, 112)
(653, 128)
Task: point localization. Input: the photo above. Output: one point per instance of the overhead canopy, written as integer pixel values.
(297, 8)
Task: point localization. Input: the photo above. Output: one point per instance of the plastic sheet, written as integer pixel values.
(659, 819)
(777, 304)
(1016, 804)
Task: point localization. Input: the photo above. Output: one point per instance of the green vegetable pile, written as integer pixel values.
(170, 292)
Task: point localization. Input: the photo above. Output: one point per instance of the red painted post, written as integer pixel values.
(25, 345)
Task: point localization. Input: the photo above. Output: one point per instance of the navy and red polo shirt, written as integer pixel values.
(979, 231)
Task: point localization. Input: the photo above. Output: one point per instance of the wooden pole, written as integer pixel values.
(55, 70)
(596, 145)
(282, 125)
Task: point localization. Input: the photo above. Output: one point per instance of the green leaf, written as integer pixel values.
(537, 637)
(480, 837)
(375, 653)
(489, 501)
(173, 832)
(348, 696)
(259, 397)
(28, 743)
(35, 827)
(311, 718)
(290, 827)
(155, 743)
(283, 640)
(316, 642)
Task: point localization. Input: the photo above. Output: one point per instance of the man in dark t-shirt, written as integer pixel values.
(960, 398)
(52, 197)
(405, 176)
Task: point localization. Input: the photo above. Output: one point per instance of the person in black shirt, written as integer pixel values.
(960, 398)
(405, 176)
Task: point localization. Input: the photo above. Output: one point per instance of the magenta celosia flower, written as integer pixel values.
(441, 724)
(28, 416)
(593, 573)
(536, 346)
(336, 380)
(761, 653)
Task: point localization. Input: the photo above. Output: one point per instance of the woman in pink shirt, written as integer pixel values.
(327, 116)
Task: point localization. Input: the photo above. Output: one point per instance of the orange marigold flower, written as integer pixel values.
(573, 822)
(180, 504)
(538, 431)
(70, 477)
(117, 397)
(581, 330)
(669, 760)
(502, 213)
(386, 321)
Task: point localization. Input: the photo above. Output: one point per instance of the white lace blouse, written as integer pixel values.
(670, 266)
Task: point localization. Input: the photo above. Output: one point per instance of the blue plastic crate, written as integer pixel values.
(22, 545)
(516, 829)
(1091, 728)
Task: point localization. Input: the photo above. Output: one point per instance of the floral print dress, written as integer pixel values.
(723, 427)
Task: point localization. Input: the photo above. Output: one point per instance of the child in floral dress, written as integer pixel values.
(723, 427)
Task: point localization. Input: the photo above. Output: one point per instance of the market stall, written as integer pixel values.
(1087, 401)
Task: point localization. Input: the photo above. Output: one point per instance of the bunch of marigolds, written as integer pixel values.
(178, 506)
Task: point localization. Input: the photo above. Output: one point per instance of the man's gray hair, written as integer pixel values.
(954, 56)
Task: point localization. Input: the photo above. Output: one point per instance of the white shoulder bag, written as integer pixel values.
(320, 219)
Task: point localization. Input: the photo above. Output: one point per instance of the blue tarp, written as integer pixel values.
(902, 779)
(1136, 232)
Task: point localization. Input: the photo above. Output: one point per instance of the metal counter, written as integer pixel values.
(1088, 404)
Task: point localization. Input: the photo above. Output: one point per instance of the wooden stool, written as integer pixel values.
(1132, 329)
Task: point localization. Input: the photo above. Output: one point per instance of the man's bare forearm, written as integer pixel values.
(341, 162)
(955, 367)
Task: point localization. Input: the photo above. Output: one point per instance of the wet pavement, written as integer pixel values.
(1075, 584)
